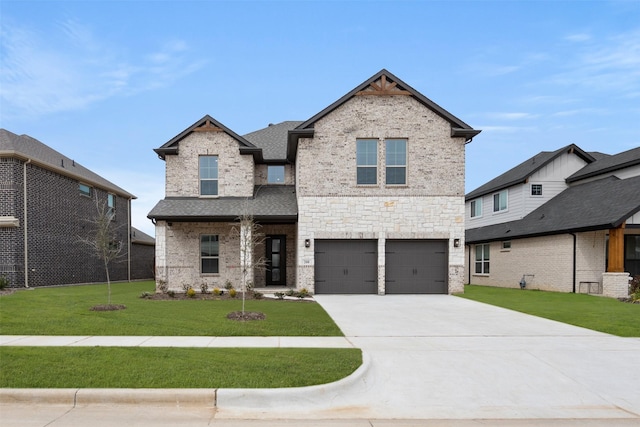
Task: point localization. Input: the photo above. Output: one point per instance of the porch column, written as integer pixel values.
(616, 250)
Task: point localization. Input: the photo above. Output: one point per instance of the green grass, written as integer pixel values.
(66, 311)
(588, 311)
(125, 367)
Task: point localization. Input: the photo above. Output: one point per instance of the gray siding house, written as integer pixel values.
(46, 203)
(366, 196)
(565, 221)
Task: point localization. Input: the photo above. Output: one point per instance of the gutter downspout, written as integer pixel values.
(469, 264)
(24, 219)
(574, 262)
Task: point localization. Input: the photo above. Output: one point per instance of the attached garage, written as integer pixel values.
(346, 266)
(416, 267)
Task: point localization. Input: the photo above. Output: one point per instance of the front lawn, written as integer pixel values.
(128, 367)
(588, 311)
(66, 311)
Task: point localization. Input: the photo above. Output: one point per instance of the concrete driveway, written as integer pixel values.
(443, 357)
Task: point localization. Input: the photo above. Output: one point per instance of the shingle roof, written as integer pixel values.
(595, 205)
(608, 164)
(272, 139)
(141, 238)
(269, 203)
(524, 170)
(26, 147)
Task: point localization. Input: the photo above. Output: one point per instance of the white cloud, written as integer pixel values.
(511, 116)
(72, 69)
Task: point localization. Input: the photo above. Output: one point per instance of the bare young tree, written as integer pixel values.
(103, 240)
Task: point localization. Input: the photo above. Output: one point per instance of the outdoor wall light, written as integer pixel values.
(307, 243)
(456, 243)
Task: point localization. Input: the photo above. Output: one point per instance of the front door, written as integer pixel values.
(276, 260)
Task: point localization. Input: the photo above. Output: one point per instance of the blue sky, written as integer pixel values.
(105, 82)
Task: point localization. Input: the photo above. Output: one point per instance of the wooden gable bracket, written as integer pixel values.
(208, 127)
(383, 87)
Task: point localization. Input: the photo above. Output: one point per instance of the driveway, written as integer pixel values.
(443, 357)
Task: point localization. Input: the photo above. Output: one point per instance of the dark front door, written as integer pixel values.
(276, 260)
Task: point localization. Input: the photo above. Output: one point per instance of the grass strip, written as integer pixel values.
(588, 311)
(127, 367)
(66, 311)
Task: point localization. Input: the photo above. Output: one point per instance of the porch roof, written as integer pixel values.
(274, 203)
(596, 205)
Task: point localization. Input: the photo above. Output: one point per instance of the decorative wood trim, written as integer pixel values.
(208, 127)
(383, 88)
(616, 250)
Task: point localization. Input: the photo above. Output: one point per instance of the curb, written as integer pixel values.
(252, 398)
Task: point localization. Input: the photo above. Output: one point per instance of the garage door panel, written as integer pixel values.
(346, 267)
(416, 267)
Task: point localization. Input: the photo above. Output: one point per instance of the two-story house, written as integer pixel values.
(366, 196)
(47, 205)
(565, 221)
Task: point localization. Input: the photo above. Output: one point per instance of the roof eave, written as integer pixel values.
(467, 134)
(292, 141)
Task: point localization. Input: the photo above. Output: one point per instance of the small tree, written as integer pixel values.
(103, 239)
(250, 236)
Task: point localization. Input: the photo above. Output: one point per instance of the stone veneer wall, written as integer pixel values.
(332, 206)
(235, 171)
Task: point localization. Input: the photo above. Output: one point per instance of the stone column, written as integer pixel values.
(615, 285)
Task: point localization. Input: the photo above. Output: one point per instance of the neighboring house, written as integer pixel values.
(565, 221)
(47, 201)
(367, 196)
(143, 255)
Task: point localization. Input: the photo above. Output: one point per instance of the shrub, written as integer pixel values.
(258, 295)
(232, 293)
(186, 288)
(634, 289)
(228, 285)
(303, 293)
(145, 295)
(4, 282)
(217, 291)
(191, 293)
(204, 288)
(279, 295)
(162, 286)
(171, 293)
(290, 292)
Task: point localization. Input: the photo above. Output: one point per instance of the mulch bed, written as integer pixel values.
(108, 307)
(248, 315)
(200, 296)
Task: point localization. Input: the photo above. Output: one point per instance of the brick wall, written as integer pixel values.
(11, 239)
(430, 206)
(235, 171)
(142, 261)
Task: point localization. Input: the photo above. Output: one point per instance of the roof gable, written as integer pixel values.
(608, 164)
(520, 173)
(28, 148)
(207, 124)
(272, 140)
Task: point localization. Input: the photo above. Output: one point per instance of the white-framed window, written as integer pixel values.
(84, 189)
(482, 258)
(111, 205)
(536, 189)
(500, 201)
(275, 174)
(209, 254)
(367, 161)
(506, 245)
(476, 208)
(396, 161)
(208, 169)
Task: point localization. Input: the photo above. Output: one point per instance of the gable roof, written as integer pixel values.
(608, 164)
(28, 148)
(207, 123)
(389, 85)
(520, 173)
(596, 205)
(269, 203)
(272, 139)
(139, 237)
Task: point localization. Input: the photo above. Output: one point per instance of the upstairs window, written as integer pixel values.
(476, 208)
(396, 159)
(275, 174)
(500, 201)
(536, 189)
(482, 259)
(111, 205)
(367, 161)
(209, 254)
(208, 175)
(85, 190)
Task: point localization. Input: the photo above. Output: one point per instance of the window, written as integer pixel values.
(111, 204)
(85, 190)
(396, 161)
(275, 174)
(208, 175)
(476, 208)
(367, 161)
(500, 201)
(506, 245)
(482, 259)
(536, 189)
(209, 254)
